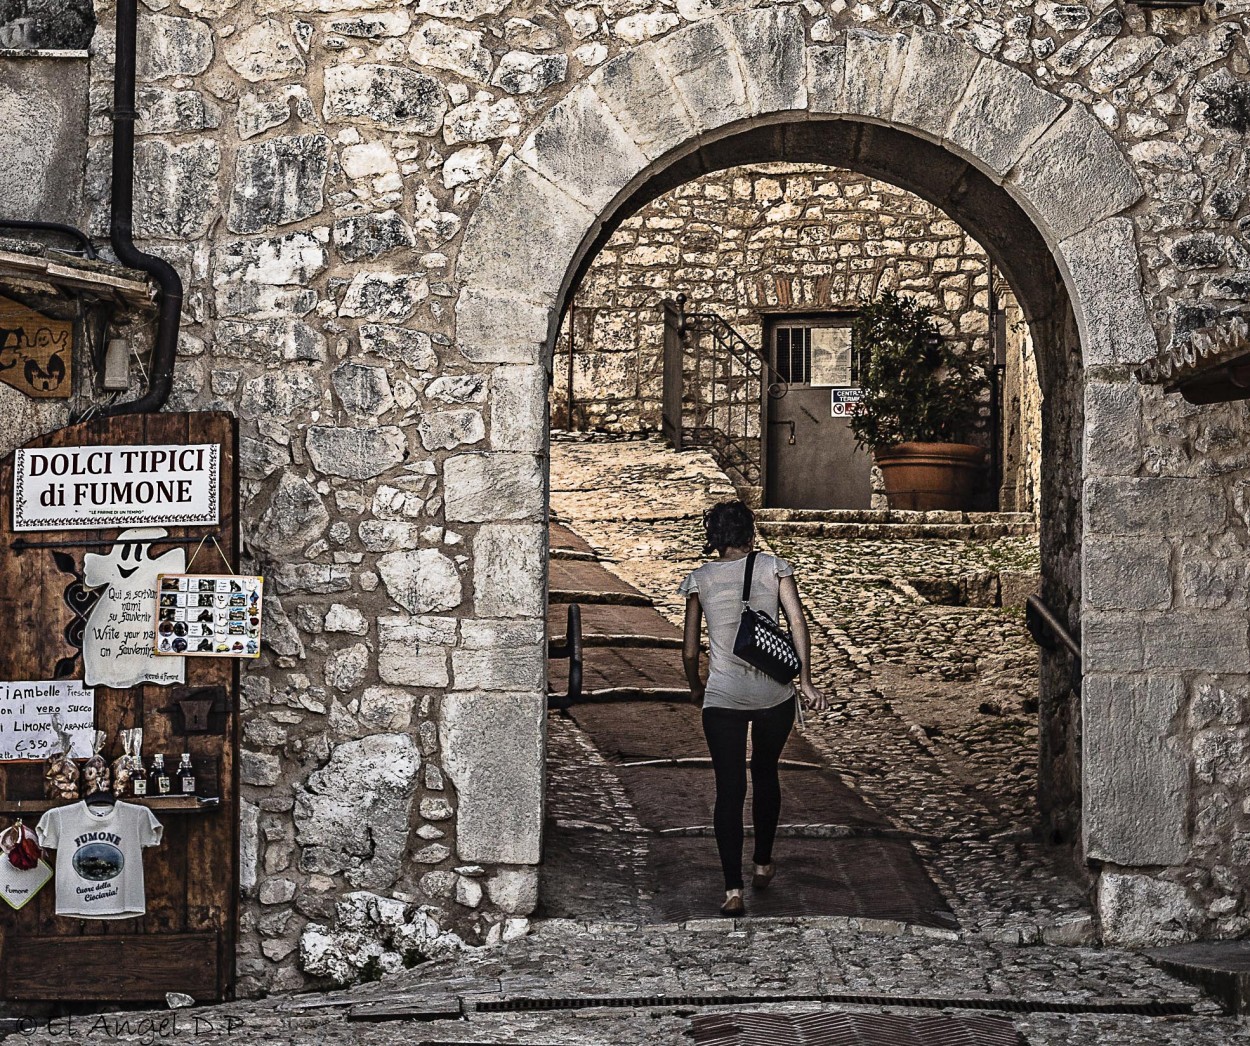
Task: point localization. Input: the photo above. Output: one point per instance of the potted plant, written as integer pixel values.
(919, 399)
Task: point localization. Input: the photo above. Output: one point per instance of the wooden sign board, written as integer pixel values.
(36, 352)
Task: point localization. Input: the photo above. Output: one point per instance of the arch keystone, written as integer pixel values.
(770, 43)
(874, 67)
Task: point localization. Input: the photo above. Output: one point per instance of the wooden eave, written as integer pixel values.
(127, 288)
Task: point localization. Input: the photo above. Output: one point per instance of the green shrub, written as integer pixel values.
(915, 386)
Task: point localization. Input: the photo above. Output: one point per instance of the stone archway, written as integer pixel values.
(1033, 176)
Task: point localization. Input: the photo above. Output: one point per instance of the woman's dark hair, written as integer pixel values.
(729, 524)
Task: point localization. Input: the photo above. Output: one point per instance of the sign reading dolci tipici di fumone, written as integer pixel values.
(78, 488)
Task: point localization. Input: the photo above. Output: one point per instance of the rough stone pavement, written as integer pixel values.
(903, 732)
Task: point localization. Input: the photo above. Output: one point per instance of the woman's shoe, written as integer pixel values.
(761, 879)
(733, 904)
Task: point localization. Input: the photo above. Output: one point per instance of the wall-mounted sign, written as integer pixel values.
(831, 356)
(26, 713)
(80, 488)
(208, 615)
(19, 885)
(121, 627)
(844, 402)
(36, 352)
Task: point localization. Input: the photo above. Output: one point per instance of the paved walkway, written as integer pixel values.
(908, 738)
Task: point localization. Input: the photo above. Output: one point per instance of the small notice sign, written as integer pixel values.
(82, 488)
(208, 615)
(26, 713)
(845, 402)
(19, 885)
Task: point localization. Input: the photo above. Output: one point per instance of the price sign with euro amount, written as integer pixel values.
(27, 710)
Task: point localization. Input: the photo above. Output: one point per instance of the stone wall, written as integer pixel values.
(377, 208)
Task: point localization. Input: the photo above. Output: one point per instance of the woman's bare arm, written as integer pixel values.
(690, 647)
(788, 593)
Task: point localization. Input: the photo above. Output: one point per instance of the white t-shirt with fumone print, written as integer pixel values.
(99, 857)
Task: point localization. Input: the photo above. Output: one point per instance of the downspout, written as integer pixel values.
(121, 231)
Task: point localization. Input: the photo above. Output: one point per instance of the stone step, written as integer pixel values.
(895, 531)
(1222, 968)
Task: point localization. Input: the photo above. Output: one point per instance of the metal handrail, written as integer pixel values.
(1038, 613)
(572, 649)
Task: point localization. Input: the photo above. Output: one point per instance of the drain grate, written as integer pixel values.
(1144, 1008)
(852, 1029)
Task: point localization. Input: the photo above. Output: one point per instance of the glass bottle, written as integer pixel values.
(158, 777)
(186, 775)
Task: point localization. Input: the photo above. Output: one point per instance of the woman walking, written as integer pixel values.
(737, 696)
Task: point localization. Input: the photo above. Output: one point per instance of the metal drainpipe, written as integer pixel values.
(121, 232)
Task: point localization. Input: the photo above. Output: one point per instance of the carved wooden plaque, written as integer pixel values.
(36, 352)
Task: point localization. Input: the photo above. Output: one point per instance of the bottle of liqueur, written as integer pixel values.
(158, 777)
(138, 781)
(186, 775)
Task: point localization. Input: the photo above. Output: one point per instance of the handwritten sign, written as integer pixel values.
(120, 636)
(19, 885)
(80, 488)
(36, 352)
(26, 713)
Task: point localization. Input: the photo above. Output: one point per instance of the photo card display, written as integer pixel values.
(208, 615)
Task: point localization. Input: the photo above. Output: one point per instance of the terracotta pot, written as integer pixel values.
(924, 476)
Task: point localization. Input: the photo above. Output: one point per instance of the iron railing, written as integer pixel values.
(572, 649)
(713, 394)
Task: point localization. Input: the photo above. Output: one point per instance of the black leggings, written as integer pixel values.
(726, 733)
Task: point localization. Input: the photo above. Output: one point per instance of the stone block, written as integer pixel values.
(704, 66)
(1212, 583)
(1096, 180)
(422, 581)
(1113, 444)
(826, 79)
(1141, 910)
(644, 100)
(279, 395)
(1197, 641)
(272, 342)
(523, 72)
(500, 253)
(493, 327)
(514, 891)
(371, 236)
(1153, 506)
(449, 429)
(770, 44)
(1136, 782)
(494, 748)
(411, 348)
(1126, 573)
(1002, 113)
(384, 295)
(1111, 642)
(441, 46)
(508, 569)
(345, 669)
(175, 188)
(293, 259)
(386, 709)
(518, 415)
(392, 97)
(481, 488)
(249, 845)
(43, 109)
(356, 810)
(499, 656)
(936, 73)
(170, 46)
(294, 518)
(583, 149)
(278, 181)
(874, 67)
(363, 391)
(356, 453)
(264, 51)
(1102, 267)
(482, 122)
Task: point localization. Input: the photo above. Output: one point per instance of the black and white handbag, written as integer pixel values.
(761, 641)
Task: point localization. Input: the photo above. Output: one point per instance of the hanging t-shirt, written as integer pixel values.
(99, 859)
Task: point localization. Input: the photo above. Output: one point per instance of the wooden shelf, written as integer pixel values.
(180, 804)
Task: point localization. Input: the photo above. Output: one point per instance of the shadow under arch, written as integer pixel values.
(986, 211)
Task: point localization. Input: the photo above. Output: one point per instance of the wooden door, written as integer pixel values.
(186, 940)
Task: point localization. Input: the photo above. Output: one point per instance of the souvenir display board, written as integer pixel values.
(62, 623)
(208, 615)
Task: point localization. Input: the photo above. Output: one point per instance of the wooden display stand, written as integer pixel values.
(186, 941)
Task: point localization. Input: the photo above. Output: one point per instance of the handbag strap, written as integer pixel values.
(746, 579)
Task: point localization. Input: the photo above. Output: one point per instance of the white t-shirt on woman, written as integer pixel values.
(731, 682)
